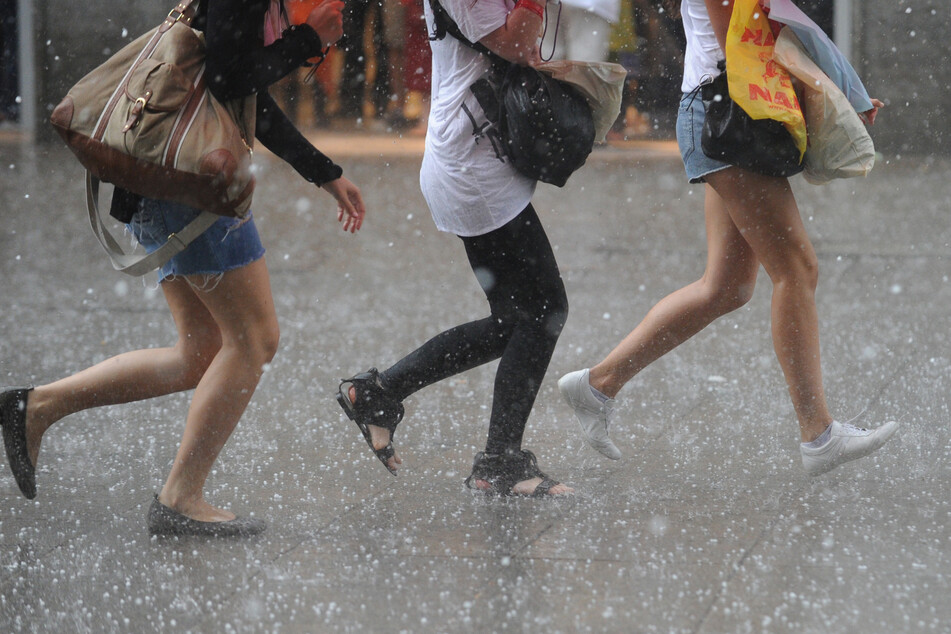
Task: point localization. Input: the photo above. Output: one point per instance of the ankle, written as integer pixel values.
(179, 499)
(814, 432)
(38, 416)
(602, 383)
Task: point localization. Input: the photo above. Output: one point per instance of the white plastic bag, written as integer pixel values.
(839, 146)
(822, 51)
(601, 83)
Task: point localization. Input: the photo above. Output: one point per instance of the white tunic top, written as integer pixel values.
(470, 190)
(703, 50)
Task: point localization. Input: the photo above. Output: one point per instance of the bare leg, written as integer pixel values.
(751, 219)
(243, 309)
(226, 336)
(765, 211)
(131, 376)
(727, 284)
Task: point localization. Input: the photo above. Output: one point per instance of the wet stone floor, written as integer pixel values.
(708, 524)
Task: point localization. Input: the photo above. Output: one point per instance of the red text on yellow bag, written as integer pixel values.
(758, 84)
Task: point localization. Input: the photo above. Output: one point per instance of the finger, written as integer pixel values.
(359, 208)
(347, 208)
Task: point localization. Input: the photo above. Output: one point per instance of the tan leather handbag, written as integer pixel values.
(146, 122)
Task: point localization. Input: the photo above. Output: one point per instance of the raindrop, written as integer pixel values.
(302, 205)
(657, 525)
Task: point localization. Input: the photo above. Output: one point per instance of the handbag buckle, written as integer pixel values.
(181, 13)
(135, 113)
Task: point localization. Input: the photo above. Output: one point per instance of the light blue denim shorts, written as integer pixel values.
(228, 244)
(689, 127)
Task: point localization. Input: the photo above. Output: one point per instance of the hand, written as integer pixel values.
(351, 210)
(869, 115)
(535, 57)
(327, 19)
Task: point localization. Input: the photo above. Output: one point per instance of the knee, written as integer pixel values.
(268, 339)
(809, 271)
(725, 298)
(547, 316)
(800, 271)
(258, 345)
(197, 354)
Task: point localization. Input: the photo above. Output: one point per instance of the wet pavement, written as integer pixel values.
(707, 525)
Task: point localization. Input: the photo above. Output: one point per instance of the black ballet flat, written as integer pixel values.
(164, 521)
(13, 420)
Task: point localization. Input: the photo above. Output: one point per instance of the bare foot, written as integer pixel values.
(380, 436)
(527, 487)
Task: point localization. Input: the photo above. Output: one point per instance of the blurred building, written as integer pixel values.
(899, 47)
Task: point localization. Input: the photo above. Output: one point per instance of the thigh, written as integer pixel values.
(764, 210)
(515, 264)
(197, 328)
(241, 303)
(731, 262)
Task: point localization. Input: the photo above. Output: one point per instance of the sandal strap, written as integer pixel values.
(503, 471)
(373, 404)
(385, 453)
(544, 488)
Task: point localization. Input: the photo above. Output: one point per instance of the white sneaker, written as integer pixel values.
(846, 442)
(593, 415)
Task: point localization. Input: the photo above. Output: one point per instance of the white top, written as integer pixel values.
(610, 10)
(703, 50)
(469, 189)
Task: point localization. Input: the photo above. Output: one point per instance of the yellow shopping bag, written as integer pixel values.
(758, 84)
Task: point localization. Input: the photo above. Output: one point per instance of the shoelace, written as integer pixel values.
(848, 423)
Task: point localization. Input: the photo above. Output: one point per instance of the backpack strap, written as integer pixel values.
(443, 25)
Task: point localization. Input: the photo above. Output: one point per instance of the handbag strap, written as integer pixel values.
(133, 263)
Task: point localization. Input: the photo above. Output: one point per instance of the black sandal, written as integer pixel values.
(503, 471)
(372, 405)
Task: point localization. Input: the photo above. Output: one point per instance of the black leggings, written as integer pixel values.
(517, 270)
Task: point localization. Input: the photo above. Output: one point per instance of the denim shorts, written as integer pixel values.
(689, 126)
(229, 243)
